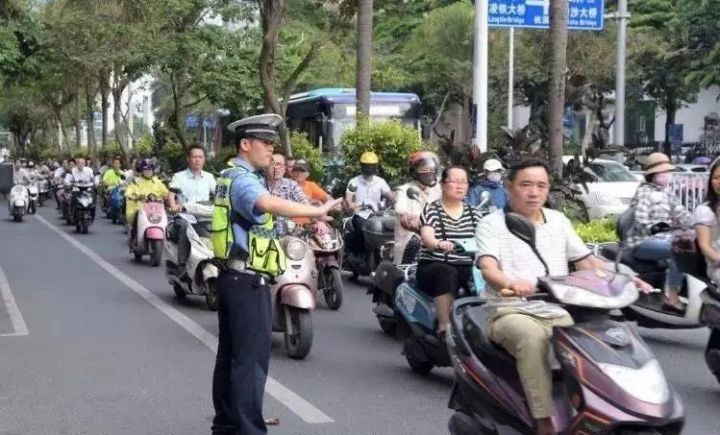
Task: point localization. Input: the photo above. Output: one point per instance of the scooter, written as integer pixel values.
(649, 311)
(710, 316)
(149, 230)
(415, 312)
(293, 295)
(327, 246)
(83, 206)
(18, 201)
(116, 204)
(605, 380)
(201, 271)
(34, 195)
(44, 188)
(388, 277)
(379, 234)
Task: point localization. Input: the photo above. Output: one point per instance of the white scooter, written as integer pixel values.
(200, 269)
(34, 195)
(18, 202)
(149, 234)
(649, 310)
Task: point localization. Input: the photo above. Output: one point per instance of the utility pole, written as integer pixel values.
(480, 75)
(556, 100)
(511, 78)
(622, 16)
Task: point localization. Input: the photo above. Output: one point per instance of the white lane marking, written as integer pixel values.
(301, 407)
(19, 325)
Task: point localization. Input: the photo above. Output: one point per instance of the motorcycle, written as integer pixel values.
(201, 271)
(82, 206)
(293, 294)
(149, 230)
(605, 380)
(44, 188)
(327, 246)
(116, 204)
(649, 310)
(34, 197)
(18, 202)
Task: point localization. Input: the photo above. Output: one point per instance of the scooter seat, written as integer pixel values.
(640, 266)
(474, 324)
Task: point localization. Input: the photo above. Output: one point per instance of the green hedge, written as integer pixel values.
(597, 231)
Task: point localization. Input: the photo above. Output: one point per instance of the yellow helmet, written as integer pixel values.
(369, 158)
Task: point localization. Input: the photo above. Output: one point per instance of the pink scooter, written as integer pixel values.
(149, 234)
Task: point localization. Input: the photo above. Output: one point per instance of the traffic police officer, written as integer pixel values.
(244, 305)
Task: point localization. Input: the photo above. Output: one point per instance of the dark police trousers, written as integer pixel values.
(241, 367)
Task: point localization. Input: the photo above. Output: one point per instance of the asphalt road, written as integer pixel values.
(93, 343)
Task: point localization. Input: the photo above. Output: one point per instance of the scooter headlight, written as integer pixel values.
(646, 383)
(295, 250)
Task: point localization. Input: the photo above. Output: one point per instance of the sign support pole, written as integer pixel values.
(622, 16)
(480, 75)
(511, 78)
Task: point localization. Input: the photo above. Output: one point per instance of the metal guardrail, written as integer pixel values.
(690, 187)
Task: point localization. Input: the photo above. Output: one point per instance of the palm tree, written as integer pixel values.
(364, 58)
(556, 99)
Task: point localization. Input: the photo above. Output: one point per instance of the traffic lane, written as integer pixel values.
(354, 373)
(97, 360)
(681, 355)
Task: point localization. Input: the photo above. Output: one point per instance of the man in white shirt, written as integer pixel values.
(506, 262)
(80, 174)
(195, 185)
(424, 171)
(365, 190)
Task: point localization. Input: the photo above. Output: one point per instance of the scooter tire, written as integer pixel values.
(388, 327)
(32, 209)
(333, 288)
(421, 366)
(298, 334)
(138, 257)
(179, 292)
(211, 296)
(712, 353)
(156, 252)
(462, 424)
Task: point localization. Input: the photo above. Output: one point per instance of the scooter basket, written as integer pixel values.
(379, 230)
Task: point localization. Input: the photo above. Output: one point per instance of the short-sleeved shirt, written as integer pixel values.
(448, 228)
(86, 175)
(556, 240)
(245, 190)
(194, 188)
(369, 192)
(705, 216)
(313, 191)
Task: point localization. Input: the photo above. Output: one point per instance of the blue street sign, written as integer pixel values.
(191, 121)
(676, 134)
(582, 14)
(209, 123)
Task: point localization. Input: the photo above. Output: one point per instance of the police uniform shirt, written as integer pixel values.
(245, 189)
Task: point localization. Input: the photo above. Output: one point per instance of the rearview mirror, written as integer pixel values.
(520, 227)
(352, 188)
(413, 193)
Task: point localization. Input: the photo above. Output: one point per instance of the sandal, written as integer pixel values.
(674, 306)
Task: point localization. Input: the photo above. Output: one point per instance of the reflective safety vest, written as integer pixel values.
(265, 253)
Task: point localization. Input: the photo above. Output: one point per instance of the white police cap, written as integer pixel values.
(259, 126)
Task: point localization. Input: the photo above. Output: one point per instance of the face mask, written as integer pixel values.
(428, 179)
(663, 179)
(495, 177)
(368, 170)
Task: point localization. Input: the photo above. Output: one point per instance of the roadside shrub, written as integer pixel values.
(303, 149)
(597, 231)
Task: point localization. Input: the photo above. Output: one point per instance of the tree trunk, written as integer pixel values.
(78, 121)
(117, 120)
(177, 117)
(364, 59)
(104, 96)
(90, 102)
(556, 99)
(670, 112)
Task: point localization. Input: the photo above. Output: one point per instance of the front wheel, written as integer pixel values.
(211, 296)
(33, 208)
(333, 288)
(298, 332)
(389, 327)
(179, 292)
(156, 251)
(84, 226)
(416, 358)
(712, 353)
